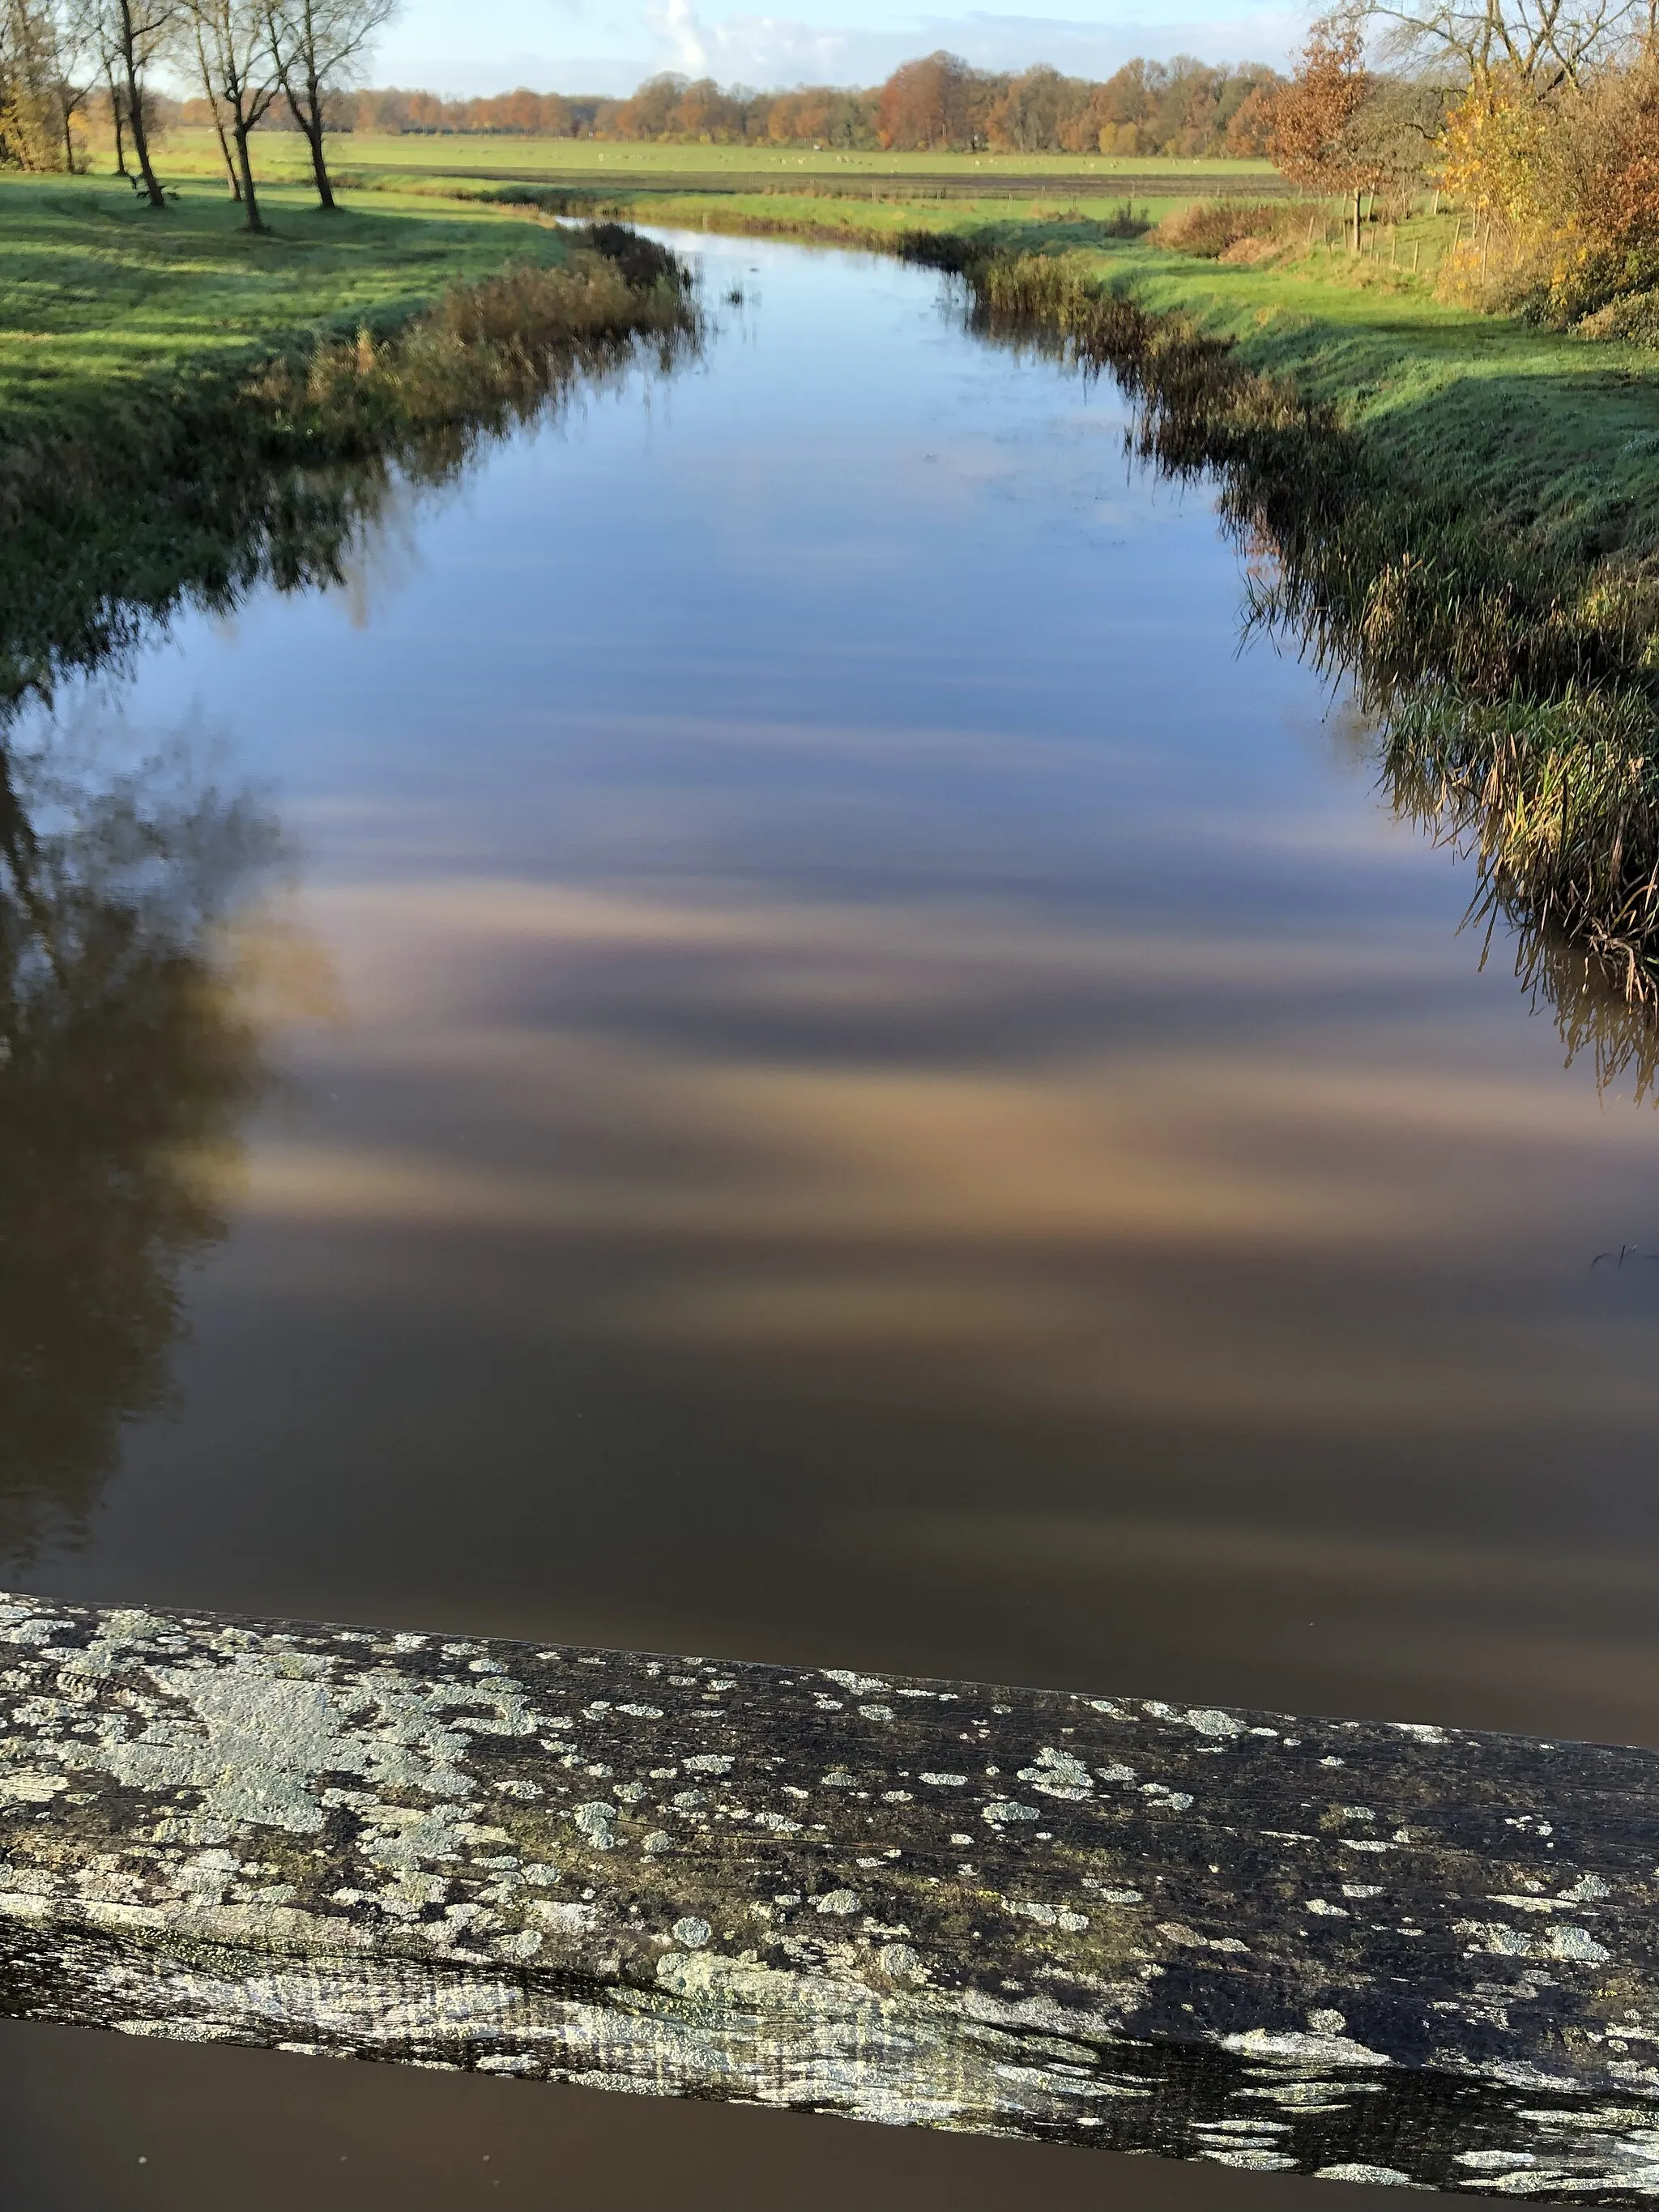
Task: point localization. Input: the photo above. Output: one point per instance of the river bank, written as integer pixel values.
(1515, 681)
(1457, 510)
(172, 392)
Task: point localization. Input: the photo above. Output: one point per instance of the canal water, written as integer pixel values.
(767, 1036)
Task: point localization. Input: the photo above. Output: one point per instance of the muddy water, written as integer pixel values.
(764, 1037)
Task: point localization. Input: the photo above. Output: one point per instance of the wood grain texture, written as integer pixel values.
(1387, 1953)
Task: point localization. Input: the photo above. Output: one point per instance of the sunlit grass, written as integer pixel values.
(195, 152)
(102, 296)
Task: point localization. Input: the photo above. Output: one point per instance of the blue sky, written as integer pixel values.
(459, 46)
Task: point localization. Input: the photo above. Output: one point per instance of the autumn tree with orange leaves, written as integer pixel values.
(937, 102)
(1312, 138)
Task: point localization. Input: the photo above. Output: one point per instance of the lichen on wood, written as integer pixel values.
(1387, 1953)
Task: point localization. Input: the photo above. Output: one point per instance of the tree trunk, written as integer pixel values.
(231, 177)
(1356, 223)
(115, 119)
(255, 222)
(310, 120)
(153, 192)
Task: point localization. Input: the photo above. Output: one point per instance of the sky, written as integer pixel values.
(465, 47)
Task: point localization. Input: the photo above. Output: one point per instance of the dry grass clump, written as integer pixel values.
(1558, 801)
(1634, 320)
(484, 354)
(1231, 230)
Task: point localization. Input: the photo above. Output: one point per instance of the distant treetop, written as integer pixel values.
(938, 104)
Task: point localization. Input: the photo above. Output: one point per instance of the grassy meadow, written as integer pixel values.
(192, 152)
(102, 299)
(1549, 435)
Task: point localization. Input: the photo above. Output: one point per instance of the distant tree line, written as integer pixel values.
(936, 105)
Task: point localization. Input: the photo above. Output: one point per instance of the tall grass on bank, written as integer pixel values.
(487, 355)
(202, 490)
(1519, 695)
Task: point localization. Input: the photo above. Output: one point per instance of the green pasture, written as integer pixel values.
(1544, 433)
(102, 296)
(192, 152)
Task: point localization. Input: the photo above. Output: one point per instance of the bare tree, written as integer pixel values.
(205, 73)
(1395, 129)
(318, 47)
(135, 35)
(1541, 43)
(240, 72)
(75, 61)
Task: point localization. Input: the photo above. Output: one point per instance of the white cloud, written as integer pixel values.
(589, 46)
(761, 49)
(676, 27)
(774, 50)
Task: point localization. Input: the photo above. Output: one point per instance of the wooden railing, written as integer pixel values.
(1377, 1953)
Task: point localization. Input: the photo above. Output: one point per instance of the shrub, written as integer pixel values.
(1569, 186)
(1125, 222)
(1210, 228)
(1633, 320)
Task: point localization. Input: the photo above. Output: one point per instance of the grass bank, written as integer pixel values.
(104, 303)
(183, 407)
(1515, 671)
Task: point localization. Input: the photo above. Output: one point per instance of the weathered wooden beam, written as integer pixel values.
(1389, 1952)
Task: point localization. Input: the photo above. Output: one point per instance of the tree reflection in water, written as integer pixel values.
(129, 1055)
(131, 1050)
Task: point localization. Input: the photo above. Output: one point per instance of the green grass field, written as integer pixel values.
(188, 152)
(1544, 433)
(100, 295)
